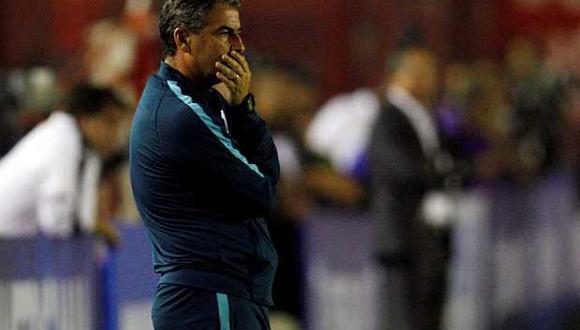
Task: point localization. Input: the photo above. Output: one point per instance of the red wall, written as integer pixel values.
(343, 42)
(46, 32)
(550, 16)
(324, 36)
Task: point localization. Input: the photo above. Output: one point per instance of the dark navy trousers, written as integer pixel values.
(185, 308)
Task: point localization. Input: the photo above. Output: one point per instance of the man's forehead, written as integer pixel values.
(224, 15)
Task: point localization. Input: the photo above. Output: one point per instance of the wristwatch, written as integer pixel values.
(248, 103)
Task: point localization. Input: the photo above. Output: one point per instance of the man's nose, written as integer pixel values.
(238, 44)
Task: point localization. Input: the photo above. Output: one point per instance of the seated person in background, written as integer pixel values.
(49, 181)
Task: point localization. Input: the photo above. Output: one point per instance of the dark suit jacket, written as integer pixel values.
(401, 175)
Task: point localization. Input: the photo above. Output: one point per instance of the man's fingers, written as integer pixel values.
(241, 59)
(229, 82)
(227, 71)
(230, 72)
(233, 64)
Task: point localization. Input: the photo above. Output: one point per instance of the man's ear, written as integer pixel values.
(180, 36)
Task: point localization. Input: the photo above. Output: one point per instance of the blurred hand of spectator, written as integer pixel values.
(327, 184)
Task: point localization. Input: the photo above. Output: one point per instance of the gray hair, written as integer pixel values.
(189, 14)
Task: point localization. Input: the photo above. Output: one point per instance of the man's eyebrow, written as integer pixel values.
(228, 28)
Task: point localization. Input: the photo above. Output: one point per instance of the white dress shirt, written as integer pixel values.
(341, 129)
(39, 181)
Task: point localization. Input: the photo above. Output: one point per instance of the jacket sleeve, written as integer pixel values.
(253, 136)
(243, 183)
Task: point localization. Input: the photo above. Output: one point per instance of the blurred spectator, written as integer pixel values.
(31, 95)
(121, 52)
(49, 180)
(339, 135)
(287, 102)
(140, 17)
(340, 131)
(274, 88)
(536, 95)
(408, 172)
(461, 136)
(490, 114)
(475, 121)
(282, 98)
(110, 57)
(286, 99)
(562, 59)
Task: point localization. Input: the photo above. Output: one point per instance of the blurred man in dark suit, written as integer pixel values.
(410, 207)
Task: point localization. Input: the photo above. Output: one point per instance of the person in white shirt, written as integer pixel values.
(340, 130)
(49, 180)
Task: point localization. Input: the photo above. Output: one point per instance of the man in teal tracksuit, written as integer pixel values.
(203, 173)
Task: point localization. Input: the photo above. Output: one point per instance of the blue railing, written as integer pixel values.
(73, 284)
(48, 284)
(516, 265)
(516, 262)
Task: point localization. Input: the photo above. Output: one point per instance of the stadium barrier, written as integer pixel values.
(72, 284)
(48, 284)
(516, 265)
(516, 262)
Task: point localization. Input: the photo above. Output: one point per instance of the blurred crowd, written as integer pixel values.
(515, 118)
(118, 54)
(512, 119)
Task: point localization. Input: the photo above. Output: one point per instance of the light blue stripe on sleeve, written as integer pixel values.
(224, 311)
(215, 129)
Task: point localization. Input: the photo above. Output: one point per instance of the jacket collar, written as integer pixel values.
(210, 100)
(167, 72)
